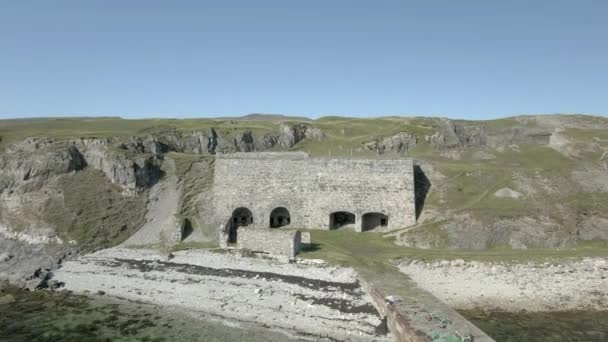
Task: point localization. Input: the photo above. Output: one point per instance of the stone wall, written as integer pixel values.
(311, 189)
(411, 320)
(270, 241)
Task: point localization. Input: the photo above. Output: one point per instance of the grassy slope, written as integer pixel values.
(195, 174)
(365, 249)
(469, 182)
(93, 211)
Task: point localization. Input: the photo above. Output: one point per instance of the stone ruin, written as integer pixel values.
(286, 243)
(266, 192)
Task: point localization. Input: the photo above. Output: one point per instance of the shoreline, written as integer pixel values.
(306, 299)
(576, 285)
(101, 317)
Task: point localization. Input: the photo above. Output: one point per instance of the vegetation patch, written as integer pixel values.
(195, 176)
(371, 249)
(93, 212)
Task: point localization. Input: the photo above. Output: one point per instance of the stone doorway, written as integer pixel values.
(279, 217)
(374, 220)
(241, 217)
(341, 219)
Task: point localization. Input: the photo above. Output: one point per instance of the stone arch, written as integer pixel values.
(339, 219)
(373, 220)
(279, 217)
(241, 217)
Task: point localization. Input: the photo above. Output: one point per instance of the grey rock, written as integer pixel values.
(507, 193)
(23, 170)
(399, 143)
(25, 268)
(592, 227)
(290, 135)
(246, 142)
(5, 257)
(129, 170)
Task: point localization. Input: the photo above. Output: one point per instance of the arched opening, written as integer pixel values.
(279, 217)
(374, 220)
(241, 217)
(341, 219)
(187, 229)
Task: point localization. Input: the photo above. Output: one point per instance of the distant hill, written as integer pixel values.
(265, 117)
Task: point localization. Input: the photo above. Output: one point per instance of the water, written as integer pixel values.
(50, 316)
(573, 326)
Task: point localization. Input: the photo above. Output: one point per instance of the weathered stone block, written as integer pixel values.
(285, 243)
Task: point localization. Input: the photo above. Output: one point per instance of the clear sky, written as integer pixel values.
(463, 59)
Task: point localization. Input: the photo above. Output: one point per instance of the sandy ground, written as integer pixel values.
(304, 299)
(581, 285)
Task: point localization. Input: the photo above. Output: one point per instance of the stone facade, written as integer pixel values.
(285, 243)
(317, 193)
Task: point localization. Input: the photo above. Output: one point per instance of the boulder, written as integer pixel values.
(507, 193)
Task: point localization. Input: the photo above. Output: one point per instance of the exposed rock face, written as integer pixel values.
(560, 142)
(291, 135)
(27, 168)
(29, 265)
(592, 227)
(467, 134)
(212, 141)
(398, 143)
(129, 171)
(144, 145)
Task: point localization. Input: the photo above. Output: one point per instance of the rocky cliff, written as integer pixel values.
(69, 185)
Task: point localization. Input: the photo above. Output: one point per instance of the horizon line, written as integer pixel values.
(268, 116)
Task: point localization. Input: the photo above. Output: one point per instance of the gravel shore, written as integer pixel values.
(564, 286)
(305, 299)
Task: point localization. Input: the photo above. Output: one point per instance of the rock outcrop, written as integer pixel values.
(214, 141)
(129, 170)
(473, 134)
(292, 134)
(399, 143)
(29, 165)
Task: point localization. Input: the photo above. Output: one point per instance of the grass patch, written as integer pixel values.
(93, 212)
(536, 158)
(184, 161)
(429, 233)
(364, 250)
(346, 137)
(195, 176)
(587, 135)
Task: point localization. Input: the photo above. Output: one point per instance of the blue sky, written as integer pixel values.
(462, 59)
